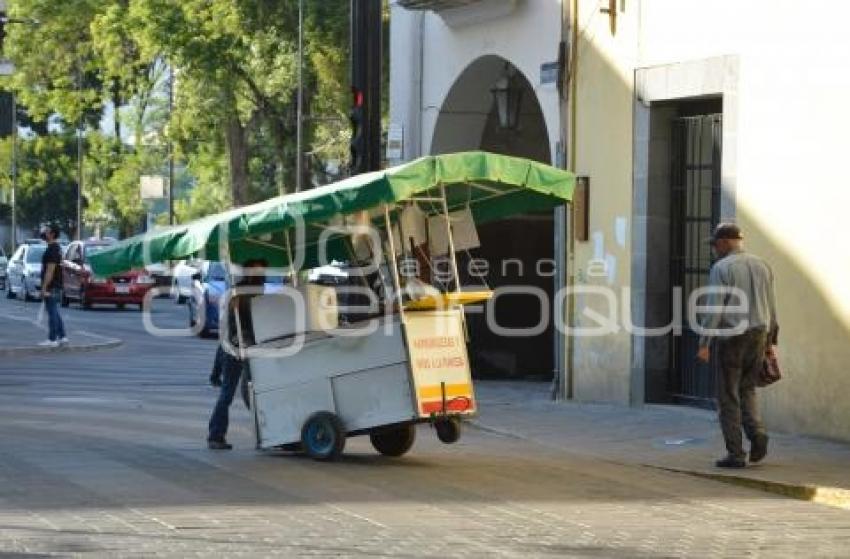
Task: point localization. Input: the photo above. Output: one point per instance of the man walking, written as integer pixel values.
(745, 325)
(51, 287)
(228, 368)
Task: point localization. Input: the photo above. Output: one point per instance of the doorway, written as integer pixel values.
(683, 204)
(518, 251)
(695, 190)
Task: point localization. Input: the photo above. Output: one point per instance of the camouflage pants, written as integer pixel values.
(740, 359)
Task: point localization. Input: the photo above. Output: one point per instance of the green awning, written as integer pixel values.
(492, 186)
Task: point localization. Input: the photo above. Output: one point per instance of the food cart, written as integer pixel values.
(316, 380)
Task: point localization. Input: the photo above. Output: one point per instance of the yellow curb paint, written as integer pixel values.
(822, 495)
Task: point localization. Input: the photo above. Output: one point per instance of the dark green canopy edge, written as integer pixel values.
(493, 186)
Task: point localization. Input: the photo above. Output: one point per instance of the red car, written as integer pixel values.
(79, 284)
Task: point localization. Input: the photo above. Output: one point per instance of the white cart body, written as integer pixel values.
(366, 375)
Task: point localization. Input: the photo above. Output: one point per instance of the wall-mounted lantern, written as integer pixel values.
(507, 94)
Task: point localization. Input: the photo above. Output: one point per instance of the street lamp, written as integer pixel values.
(507, 94)
(7, 69)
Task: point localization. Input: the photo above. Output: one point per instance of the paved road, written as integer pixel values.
(103, 454)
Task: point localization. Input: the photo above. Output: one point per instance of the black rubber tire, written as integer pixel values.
(84, 301)
(393, 441)
(323, 436)
(27, 296)
(448, 429)
(64, 301)
(9, 293)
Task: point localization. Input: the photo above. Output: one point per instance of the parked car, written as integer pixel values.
(24, 271)
(208, 286)
(162, 274)
(80, 284)
(4, 263)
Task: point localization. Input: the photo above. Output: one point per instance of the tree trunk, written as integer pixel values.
(237, 151)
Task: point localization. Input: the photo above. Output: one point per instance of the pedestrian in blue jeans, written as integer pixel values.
(228, 368)
(51, 287)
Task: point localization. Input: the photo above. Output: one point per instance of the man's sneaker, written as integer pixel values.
(63, 341)
(731, 462)
(49, 343)
(219, 445)
(758, 449)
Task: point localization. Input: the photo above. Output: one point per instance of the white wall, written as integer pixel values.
(527, 37)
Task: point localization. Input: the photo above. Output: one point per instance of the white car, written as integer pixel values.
(4, 262)
(24, 272)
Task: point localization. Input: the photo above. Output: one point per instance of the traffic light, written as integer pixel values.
(3, 21)
(7, 106)
(366, 54)
(358, 146)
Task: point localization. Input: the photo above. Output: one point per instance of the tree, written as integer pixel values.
(47, 187)
(233, 121)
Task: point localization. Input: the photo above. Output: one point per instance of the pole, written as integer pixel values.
(299, 124)
(79, 232)
(14, 171)
(366, 54)
(170, 146)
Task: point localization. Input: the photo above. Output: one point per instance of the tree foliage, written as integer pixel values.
(233, 68)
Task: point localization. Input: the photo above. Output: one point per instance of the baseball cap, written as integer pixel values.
(726, 231)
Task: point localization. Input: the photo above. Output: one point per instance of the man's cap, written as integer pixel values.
(726, 231)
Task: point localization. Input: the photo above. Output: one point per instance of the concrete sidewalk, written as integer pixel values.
(20, 335)
(675, 438)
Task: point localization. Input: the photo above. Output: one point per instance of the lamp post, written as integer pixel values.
(7, 69)
(299, 123)
(14, 170)
(79, 233)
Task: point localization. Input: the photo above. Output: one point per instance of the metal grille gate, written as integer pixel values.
(695, 205)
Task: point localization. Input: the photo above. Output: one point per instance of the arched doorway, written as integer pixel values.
(520, 250)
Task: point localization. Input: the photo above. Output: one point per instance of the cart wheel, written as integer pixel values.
(323, 436)
(448, 429)
(394, 441)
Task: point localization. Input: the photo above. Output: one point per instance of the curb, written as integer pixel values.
(37, 350)
(822, 495)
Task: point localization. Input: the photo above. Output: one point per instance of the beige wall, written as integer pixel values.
(601, 365)
(790, 183)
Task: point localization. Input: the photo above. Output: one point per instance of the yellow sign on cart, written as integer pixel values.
(439, 362)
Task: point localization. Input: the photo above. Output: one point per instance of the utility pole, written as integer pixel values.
(170, 146)
(14, 170)
(299, 125)
(79, 233)
(366, 55)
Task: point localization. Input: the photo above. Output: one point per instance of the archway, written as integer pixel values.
(520, 250)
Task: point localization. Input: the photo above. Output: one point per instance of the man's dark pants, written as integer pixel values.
(56, 328)
(741, 359)
(231, 372)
